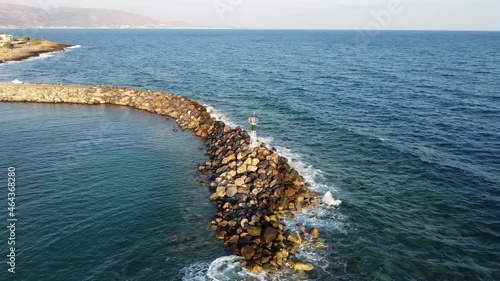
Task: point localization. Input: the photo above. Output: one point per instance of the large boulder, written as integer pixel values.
(254, 230)
(247, 252)
(228, 159)
(270, 235)
(314, 233)
(242, 169)
(300, 266)
(294, 237)
(231, 190)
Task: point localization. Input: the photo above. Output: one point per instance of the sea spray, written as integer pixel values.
(328, 199)
(226, 268)
(218, 115)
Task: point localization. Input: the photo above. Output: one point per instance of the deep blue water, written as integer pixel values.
(404, 128)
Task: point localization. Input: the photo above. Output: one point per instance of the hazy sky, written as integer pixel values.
(310, 14)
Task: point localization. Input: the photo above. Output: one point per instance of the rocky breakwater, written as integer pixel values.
(188, 114)
(255, 189)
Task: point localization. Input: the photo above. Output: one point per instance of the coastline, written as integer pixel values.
(254, 189)
(28, 51)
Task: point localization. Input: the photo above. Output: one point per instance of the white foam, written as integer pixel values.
(311, 255)
(323, 217)
(47, 55)
(382, 139)
(195, 272)
(227, 268)
(39, 57)
(265, 140)
(42, 56)
(16, 81)
(309, 173)
(218, 115)
(328, 199)
(9, 62)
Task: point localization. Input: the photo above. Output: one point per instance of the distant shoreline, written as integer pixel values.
(126, 28)
(240, 28)
(28, 50)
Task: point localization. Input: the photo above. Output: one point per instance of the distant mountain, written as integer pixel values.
(17, 16)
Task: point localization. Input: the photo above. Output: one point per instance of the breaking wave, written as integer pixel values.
(225, 268)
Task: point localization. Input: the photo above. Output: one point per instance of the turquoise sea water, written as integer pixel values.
(404, 128)
(104, 193)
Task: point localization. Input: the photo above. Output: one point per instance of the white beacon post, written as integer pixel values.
(253, 133)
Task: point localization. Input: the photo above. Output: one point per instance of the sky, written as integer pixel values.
(307, 14)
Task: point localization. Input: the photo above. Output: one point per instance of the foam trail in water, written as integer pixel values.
(74, 47)
(226, 268)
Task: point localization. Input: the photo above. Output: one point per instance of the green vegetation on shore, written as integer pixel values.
(36, 41)
(8, 45)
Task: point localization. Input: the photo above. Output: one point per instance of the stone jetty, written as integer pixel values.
(255, 189)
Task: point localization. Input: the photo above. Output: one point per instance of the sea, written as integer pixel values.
(402, 126)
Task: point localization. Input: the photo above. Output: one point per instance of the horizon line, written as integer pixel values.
(250, 28)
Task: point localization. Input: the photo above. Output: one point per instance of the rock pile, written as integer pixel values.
(255, 189)
(188, 114)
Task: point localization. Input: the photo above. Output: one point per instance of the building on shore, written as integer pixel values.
(4, 38)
